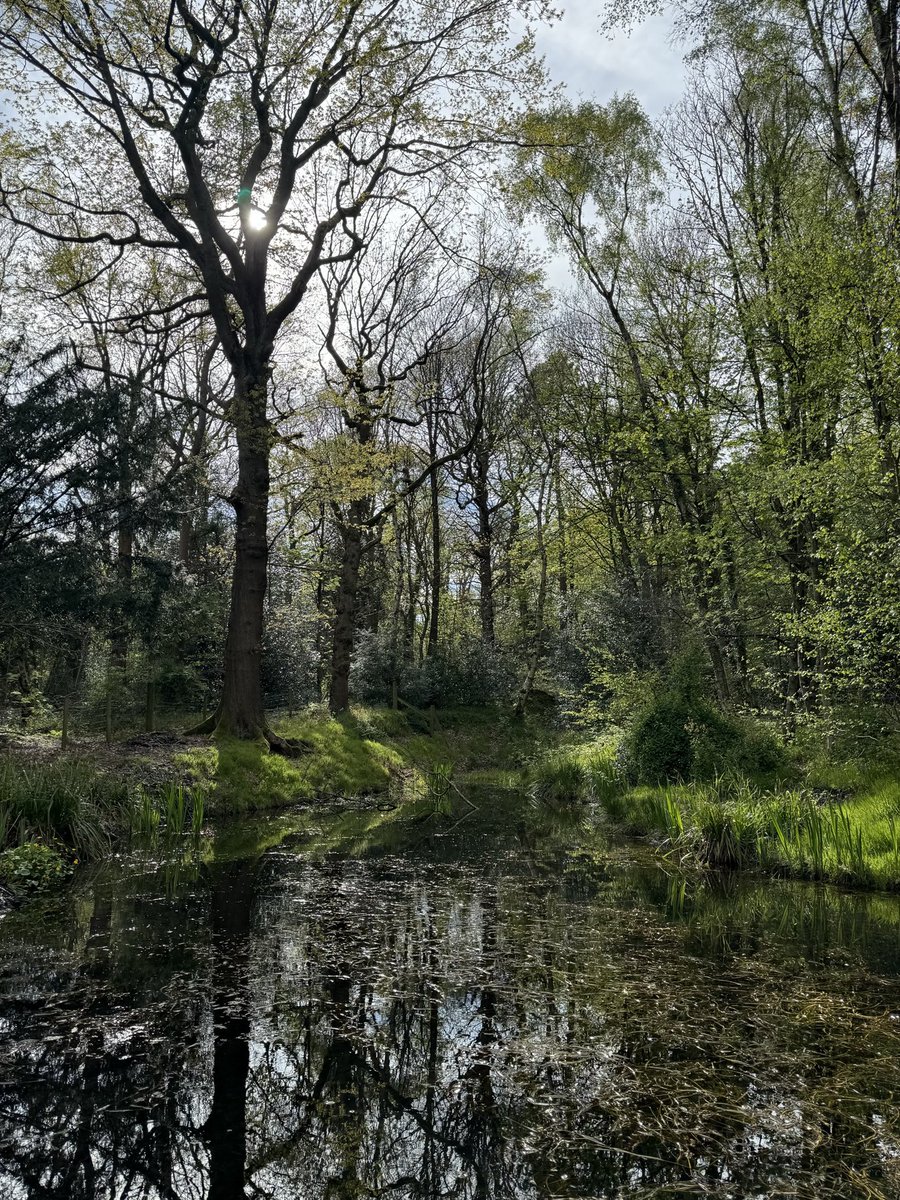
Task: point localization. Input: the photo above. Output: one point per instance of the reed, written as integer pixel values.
(71, 803)
(730, 823)
(145, 817)
(198, 806)
(174, 804)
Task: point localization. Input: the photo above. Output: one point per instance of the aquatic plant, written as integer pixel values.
(34, 866)
(560, 778)
(198, 805)
(174, 804)
(732, 823)
(145, 816)
(439, 783)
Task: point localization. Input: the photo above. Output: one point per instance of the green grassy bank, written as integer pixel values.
(816, 819)
(366, 752)
(60, 809)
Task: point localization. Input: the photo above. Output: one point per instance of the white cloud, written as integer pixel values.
(594, 65)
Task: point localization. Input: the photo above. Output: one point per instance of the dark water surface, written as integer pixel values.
(370, 1010)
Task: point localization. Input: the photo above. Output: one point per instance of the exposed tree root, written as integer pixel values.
(289, 747)
(216, 724)
(206, 726)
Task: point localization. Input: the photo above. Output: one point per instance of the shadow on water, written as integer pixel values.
(346, 1005)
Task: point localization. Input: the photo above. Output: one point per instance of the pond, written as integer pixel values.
(335, 1006)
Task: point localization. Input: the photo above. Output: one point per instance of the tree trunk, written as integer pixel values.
(484, 554)
(241, 713)
(434, 623)
(124, 561)
(564, 581)
(320, 602)
(345, 614)
(534, 661)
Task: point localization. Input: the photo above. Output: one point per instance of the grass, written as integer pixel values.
(574, 774)
(242, 776)
(369, 751)
(71, 811)
(837, 822)
(67, 802)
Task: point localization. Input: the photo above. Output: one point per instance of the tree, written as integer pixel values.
(489, 382)
(242, 140)
(391, 310)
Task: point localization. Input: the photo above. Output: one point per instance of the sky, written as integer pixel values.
(595, 66)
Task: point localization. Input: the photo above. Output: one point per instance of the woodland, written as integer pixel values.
(449, 604)
(291, 419)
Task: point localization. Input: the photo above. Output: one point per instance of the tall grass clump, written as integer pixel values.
(174, 804)
(560, 779)
(145, 816)
(732, 824)
(576, 775)
(601, 773)
(198, 808)
(70, 803)
(173, 811)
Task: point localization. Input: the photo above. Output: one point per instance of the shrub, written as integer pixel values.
(658, 746)
(469, 673)
(684, 737)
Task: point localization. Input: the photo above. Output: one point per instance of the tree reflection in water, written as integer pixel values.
(343, 1028)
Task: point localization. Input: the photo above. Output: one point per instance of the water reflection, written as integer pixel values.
(446, 1023)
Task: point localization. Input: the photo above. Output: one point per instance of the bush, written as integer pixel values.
(469, 673)
(681, 735)
(658, 746)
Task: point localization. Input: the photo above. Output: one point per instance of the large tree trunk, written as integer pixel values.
(124, 539)
(241, 712)
(434, 622)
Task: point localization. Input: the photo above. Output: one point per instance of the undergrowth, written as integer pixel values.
(55, 815)
(813, 829)
(68, 802)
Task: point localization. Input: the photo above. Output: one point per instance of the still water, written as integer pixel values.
(332, 1007)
